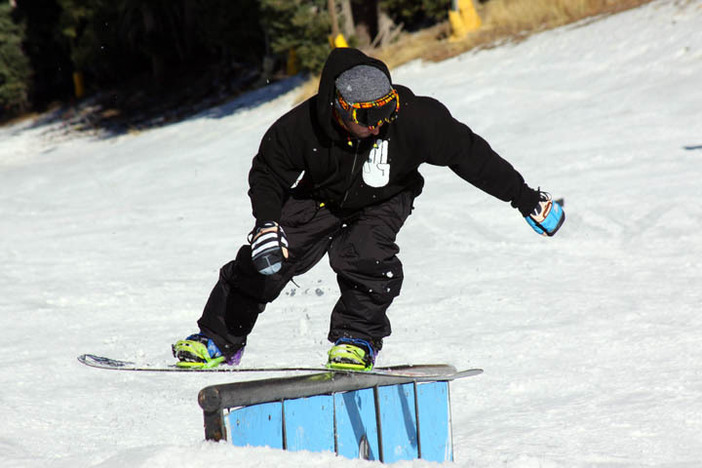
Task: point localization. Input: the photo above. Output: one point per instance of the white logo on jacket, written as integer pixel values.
(376, 170)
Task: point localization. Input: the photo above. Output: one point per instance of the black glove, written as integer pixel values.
(269, 247)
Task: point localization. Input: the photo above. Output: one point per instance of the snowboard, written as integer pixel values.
(417, 371)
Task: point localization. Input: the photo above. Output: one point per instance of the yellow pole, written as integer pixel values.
(78, 84)
(463, 19)
(470, 16)
(336, 39)
(291, 68)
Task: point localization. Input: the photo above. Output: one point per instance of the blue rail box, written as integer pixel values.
(372, 417)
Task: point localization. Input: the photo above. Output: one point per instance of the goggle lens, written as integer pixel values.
(374, 113)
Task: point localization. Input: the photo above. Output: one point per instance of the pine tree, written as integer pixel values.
(302, 25)
(14, 66)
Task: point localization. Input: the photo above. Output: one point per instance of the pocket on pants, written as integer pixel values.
(297, 212)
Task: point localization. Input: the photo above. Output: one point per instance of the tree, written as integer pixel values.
(14, 66)
(116, 40)
(416, 14)
(300, 25)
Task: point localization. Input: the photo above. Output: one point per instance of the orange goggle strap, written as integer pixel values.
(351, 108)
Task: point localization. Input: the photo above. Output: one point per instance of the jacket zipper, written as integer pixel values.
(352, 176)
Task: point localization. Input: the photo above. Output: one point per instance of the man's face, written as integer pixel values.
(361, 132)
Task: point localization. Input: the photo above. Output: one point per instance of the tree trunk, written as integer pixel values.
(347, 25)
(366, 14)
(332, 13)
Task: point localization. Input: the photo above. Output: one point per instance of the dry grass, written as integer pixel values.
(503, 20)
(515, 20)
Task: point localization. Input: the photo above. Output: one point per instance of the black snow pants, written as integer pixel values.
(362, 251)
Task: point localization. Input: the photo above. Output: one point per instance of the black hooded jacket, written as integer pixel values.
(345, 174)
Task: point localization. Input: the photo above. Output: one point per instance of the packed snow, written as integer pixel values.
(591, 341)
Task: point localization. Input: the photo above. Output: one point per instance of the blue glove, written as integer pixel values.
(269, 248)
(547, 217)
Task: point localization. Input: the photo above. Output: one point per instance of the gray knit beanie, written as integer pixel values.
(363, 83)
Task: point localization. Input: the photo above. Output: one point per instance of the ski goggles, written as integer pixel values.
(371, 114)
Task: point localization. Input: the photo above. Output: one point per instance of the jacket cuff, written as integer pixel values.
(527, 200)
(266, 213)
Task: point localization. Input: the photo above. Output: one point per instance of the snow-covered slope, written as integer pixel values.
(590, 341)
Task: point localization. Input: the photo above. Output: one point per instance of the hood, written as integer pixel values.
(339, 60)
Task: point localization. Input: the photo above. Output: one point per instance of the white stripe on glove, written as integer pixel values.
(269, 248)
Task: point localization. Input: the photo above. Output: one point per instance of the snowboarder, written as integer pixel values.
(337, 175)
